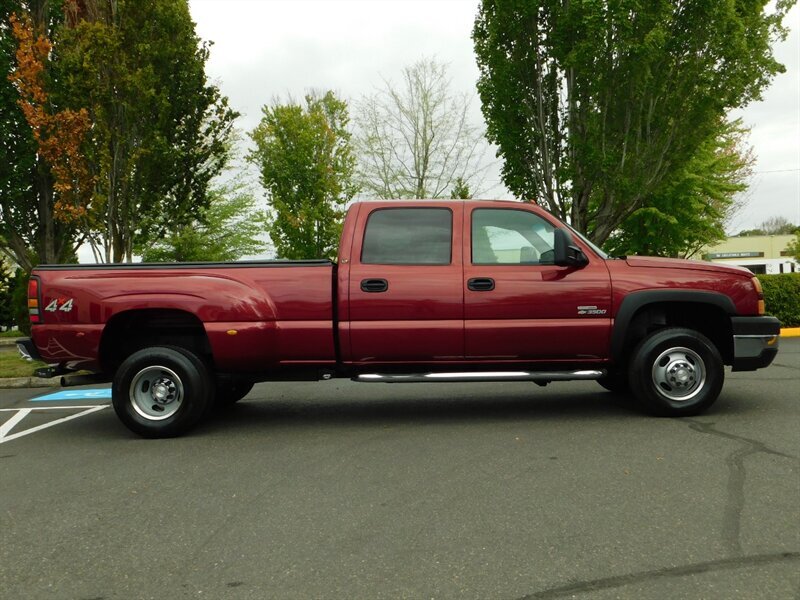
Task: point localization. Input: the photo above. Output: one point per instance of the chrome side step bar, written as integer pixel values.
(481, 376)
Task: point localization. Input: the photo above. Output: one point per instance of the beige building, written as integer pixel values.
(760, 253)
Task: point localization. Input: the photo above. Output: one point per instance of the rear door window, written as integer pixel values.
(408, 236)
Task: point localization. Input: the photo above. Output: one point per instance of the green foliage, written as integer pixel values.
(28, 232)
(460, 190)
(227, 229)
(772, 226)
(596, 105)
(794, 247)
(782, 297)
(689, 210)
(306, 162)
(19, 300)
(159, 129)
(6, 292)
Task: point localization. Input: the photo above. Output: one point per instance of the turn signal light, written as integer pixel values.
(759, 294)
(757, 285)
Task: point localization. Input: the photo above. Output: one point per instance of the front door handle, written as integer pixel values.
(374, 285)
(481, 284)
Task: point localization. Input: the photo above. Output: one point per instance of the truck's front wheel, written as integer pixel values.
(676, 372)
(161, 391)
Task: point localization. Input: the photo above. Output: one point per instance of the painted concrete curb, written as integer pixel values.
(8, 341)
(28, 382)
(790, 332)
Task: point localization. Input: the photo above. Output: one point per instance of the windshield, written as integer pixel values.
(600, 253)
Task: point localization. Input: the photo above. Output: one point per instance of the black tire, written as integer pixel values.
(676, 372)
(229, 392)
(162, 391)
(615, 381)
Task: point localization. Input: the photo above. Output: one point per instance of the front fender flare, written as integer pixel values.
(635, 301)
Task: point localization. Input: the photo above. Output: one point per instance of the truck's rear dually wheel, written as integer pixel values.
(161, 391)
(676, 372)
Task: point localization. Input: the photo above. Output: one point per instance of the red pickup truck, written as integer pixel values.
(421, 291)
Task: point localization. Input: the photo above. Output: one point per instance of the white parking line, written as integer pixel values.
(24, 412)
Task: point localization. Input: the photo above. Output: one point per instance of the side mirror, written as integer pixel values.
(566, 253)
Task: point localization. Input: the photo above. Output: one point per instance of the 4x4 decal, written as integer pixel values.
(66, 306)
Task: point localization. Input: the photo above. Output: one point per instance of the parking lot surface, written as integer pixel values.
(345, 490)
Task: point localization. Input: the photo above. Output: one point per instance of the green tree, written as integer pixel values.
(777, 226)
(596, 105)
(306, 162)
(793, 248)
(159, 130)
(415, 139)
(691, 209)
(227, 229)
(460, 190)
(772, 226)
(29, 233)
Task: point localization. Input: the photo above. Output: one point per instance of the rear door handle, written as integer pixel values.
(374, 285)
(481, 284)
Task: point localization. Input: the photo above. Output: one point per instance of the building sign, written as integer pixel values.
(713, 255)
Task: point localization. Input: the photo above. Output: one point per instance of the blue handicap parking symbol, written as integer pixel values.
(88, 394)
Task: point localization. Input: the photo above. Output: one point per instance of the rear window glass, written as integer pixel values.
(408, 236)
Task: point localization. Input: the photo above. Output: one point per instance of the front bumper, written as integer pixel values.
(755, 342)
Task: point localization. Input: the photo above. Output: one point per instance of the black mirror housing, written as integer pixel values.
(566, 253)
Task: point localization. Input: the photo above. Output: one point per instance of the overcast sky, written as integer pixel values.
(265, 49)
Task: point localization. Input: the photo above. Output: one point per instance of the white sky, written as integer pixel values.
(272, 48)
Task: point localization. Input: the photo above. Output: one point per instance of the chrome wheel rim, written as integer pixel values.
(156, 393)
(679, 374)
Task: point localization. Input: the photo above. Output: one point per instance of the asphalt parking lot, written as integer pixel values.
(345, 490)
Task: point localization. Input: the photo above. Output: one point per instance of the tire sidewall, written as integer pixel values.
(197, 391)
(616, 382)
(641, 368)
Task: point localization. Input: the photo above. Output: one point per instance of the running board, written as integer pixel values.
(481, 376)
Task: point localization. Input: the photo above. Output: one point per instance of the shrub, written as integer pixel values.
(6, 292)
(782, 297)
(19, 300)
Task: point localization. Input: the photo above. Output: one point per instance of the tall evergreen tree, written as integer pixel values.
(160, 130)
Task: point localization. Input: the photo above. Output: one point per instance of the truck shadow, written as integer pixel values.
(400, 408)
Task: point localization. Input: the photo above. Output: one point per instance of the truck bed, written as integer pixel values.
(256, 314)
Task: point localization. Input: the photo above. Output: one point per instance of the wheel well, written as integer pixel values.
(708, 319)
(127, 332)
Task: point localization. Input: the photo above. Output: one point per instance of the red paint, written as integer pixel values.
(284, 316)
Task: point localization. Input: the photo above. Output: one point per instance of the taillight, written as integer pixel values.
(760, 295)
(33, 300)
